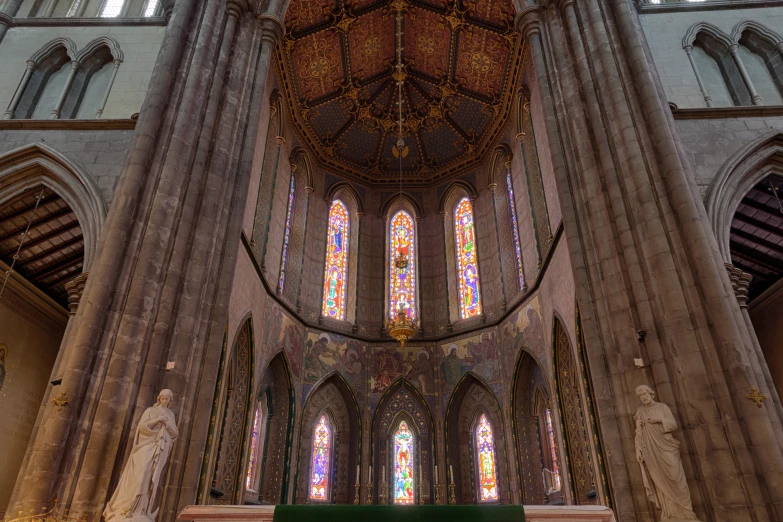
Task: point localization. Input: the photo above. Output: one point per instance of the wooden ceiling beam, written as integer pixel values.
(757, 258)
(40, 222)
(772, 211)
(762, 225)
(27, 210)
(759, 241)
(71, 274)
(45, 272)
(46, 237)
(50, 251)
(746, 267)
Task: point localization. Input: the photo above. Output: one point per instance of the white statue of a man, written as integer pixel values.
(658, 454)
(134, 497)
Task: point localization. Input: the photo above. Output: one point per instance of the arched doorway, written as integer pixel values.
(476, 446)
(333, 403)
(536, 434)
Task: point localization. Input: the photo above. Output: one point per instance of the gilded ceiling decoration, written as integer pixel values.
(461, 61)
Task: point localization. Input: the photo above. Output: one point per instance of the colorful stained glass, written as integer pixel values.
(485, 448)
(286, 238)
(467, 262)
(402, 281)
(553, 450)
(515, 226)
(403, 465)
(251, 467)
(336, 272)
(319, 474)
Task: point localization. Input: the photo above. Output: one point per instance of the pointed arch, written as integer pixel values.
(759, 48)
(471, 399)
(500, 155)
(744, 169)
(333, 395)
(398, 201)
(758, 29)
(104, 41)
(402, 401)
(455, 191)
(53, 45)
(37, 164)
(340, 189)
(537, 452)
(237, 419)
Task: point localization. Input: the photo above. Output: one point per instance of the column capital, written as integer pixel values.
(528, 21)
(567, 3)
(740, 282)
(272, 28)
(75, 289)
(237, 8)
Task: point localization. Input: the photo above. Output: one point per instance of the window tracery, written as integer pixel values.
(467, 261)
(485, 452)
(402, 280)
(336, 270)
(286, 237)
(321, 460)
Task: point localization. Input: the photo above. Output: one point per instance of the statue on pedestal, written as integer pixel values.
(658, 453)
(134, 497)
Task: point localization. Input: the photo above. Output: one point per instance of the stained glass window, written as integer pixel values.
(336, 272)
(402, 281)
(403, 465)
(467, 262)
(251, 467)
(112, 8)
(319, 474)
(286, 238)
(485, 449)
(553, 450)
(152, 8)
(515, 227)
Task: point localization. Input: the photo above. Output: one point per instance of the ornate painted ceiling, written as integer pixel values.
(460, 62)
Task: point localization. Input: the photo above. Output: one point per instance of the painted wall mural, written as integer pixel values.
(524, 328)
(415, 363)
(282, 332)
(327, 352)
(477, 354)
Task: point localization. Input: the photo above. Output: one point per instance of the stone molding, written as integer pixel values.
(27, 301)
(82, 22)
(705, 6)
(710, 113)
(75, 289)
(75, 125)
(740, 282)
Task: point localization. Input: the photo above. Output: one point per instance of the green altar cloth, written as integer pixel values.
(426, 513)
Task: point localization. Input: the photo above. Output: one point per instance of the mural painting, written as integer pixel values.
(477, 354)
(325, 353)
(282, 332)
(524, 328)
(415, 363)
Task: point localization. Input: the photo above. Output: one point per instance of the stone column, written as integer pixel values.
(754, 95)
(707, 97)
(644, 258)
(154, 312)
(66, 88)
(11, 110)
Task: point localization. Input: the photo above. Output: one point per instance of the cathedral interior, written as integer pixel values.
(392, 252)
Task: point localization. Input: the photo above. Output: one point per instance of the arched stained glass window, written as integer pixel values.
(467, 262)
(485, 449)
(336, 271)
(403, 465)
(286, 238)
(320, 468)
(251, 467)
(553, 451)
(515, 227)
(402, 280)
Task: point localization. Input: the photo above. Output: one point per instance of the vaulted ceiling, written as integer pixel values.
(461, 60)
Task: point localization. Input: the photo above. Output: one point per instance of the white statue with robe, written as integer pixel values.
(134, 498)
(658, 453)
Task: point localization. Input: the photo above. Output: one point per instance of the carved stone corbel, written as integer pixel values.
(75, 289)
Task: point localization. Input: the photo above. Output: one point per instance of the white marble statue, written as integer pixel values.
(134, 498)
(658, 454)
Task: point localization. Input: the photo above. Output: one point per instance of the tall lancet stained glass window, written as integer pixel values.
(515, 226)
(336, 271)
(251, 467)
(403, 465)
(485, 449)
(320, 469)
(402, 280)
(467, 261)
(286, 237)
(553, 450)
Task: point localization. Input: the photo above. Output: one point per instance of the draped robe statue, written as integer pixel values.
(658, 454)
(134, 497)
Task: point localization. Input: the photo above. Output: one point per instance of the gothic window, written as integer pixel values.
(515, 228)
(320, 469)
(112, 8)
(152, 8)
(467, 261)
(253, 460)
(485, 453)
(554, 477)
(286, 237)
(336, 271)
(403, 465)
(402, 279)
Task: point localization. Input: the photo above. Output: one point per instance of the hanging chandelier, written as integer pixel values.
(401, 327)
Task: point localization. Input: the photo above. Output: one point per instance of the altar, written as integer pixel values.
(349, 513)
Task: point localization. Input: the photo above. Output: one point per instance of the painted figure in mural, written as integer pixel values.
(483, 357)
(313, 367)
(421, 372)
(658, 453)
(387, 367)
(3, 353)
(352, 359)
(403, 465)
(134, 498)
(452, 366)
(293, 344)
